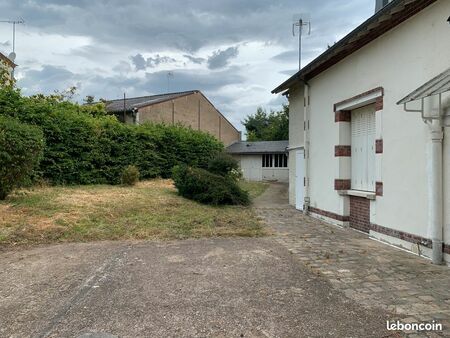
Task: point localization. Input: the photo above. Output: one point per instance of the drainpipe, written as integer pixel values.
(435, 195)
(306, 146)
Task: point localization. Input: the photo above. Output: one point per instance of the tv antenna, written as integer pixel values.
(14, 23)
(169, 76)
(301, 21)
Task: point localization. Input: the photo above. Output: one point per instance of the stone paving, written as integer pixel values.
(365, 270)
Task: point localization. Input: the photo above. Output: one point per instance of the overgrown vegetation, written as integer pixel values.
(130, 175)
(222, 164)
(83, 145)
(205, 187)
(21, 148)
(263, 126)
(148, 210)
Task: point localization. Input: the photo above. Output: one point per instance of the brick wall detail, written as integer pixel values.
(340, 184)
(360, 213)
(342, 151)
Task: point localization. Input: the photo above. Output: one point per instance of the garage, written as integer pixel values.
(262, 161)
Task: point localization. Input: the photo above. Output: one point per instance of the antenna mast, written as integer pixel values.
(14, 23)
(300, 22)
(169, 75)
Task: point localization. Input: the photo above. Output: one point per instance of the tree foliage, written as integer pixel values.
(21, 148)
(84, 145)
(263, 126)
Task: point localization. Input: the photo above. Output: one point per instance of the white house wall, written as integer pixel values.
(399, 61)
(296, 134)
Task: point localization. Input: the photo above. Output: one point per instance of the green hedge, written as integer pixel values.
(20, 152)
(83, 145)
(208, 188)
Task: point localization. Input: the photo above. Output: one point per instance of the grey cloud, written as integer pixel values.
(288, 56)
(161, 25)
(221, 58)
(139, 62)
(157, 60)
(194, 59)
(47, 80)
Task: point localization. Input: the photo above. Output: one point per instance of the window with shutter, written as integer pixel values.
(363, 148)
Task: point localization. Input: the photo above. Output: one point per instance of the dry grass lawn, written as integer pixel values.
(149, 210)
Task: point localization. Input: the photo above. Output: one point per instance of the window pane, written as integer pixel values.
(285, 159)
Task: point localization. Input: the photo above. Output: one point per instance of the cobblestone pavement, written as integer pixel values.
(372, 273)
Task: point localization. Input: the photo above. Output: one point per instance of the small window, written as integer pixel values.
(274, 161)
(267, 161)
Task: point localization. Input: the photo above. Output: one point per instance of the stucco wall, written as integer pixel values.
(296, 134)
(194, 111)
(400, 61)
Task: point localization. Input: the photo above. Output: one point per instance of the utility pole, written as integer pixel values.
(300, 23)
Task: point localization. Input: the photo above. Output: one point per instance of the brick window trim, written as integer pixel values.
(342, 184)
(379, 146)
(342, 116)
(378, 100)
(379, 188)
(342, 151)
(329, 214)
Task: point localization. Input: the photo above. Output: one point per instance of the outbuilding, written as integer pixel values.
(263, 160)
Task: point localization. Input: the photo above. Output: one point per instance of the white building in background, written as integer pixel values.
(8, 66)
(356, 157)
(262, 161)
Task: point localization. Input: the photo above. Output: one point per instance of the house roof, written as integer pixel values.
(7, 60)
(383, 21)
(114, 106)
(435, 86)
(261, 147)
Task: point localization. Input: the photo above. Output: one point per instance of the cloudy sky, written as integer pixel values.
(235, 51)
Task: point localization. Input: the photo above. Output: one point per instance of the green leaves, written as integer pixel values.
(263, 126)
(20, 152)
(84, 145)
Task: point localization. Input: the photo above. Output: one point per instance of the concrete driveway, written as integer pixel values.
(224, 287)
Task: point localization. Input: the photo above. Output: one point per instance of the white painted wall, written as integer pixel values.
(296, 134)
(252, 170)
(400, 61)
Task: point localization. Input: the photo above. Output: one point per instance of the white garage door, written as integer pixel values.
(251, 167)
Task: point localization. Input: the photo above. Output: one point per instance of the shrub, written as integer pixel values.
(84, 145)
(222, 164)
(20, 152)
(208, 188)
(130, 175)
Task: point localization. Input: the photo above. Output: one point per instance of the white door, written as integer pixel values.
(299, 178)
(363, 148)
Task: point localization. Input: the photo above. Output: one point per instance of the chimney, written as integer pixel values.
(379, 4)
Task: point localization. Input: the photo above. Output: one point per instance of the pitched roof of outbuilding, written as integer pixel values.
(381, 22)
(114, 106)
(261, 147)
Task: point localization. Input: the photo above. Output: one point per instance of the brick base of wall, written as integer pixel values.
(360, 213)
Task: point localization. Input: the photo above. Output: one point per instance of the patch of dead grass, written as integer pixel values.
(149, 210)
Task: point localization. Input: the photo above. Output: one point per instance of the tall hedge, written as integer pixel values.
(21, 148)
(84, 145)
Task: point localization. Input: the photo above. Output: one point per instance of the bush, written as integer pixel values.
(208, 188)
(222, 164)
(20, 152)
(84, 145)
(130, 175)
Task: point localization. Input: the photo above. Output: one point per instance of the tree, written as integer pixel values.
(263, 126)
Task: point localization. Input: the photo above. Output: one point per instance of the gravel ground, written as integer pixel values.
(194, 288)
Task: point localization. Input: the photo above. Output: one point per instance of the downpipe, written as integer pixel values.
(436, 190)
(306, 202)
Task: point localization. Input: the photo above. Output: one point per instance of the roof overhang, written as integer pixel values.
(384, 20)
(438, 85)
